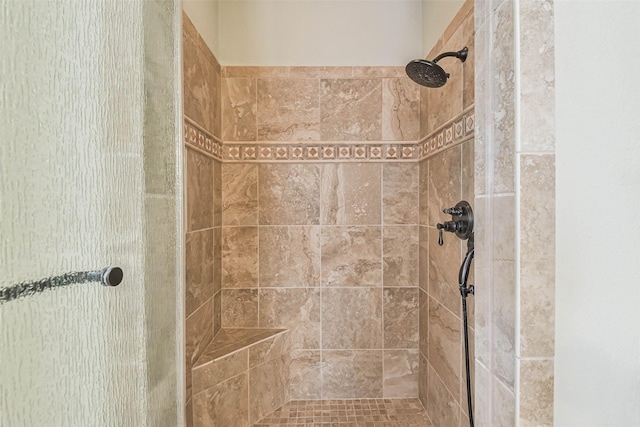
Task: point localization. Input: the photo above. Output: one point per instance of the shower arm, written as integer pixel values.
(461, 55)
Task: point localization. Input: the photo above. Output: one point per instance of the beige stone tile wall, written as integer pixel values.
(319, 104)
(338, 253)
(202, 80)
(444, 179)
(515, 187)
(443, 378)
(331, 270)
(203, 296)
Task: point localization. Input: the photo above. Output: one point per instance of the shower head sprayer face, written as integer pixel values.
(429, 73)
(426, 73)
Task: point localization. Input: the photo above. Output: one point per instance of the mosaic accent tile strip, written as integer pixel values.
(319, 152)
(349, 413)
(456, 131)
(200, 139)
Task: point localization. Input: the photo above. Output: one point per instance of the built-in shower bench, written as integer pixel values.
(241, 376)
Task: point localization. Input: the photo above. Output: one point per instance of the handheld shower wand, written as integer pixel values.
(462, 225)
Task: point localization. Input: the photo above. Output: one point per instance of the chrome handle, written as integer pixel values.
(110, 276)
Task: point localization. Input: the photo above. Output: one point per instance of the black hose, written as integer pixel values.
(466, 358)
(464, 292)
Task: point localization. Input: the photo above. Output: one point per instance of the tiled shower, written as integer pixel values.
(312, 199)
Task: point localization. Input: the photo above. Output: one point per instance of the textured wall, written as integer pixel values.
(515, 192)
(445, 179)
(73, 181)
(163, 178)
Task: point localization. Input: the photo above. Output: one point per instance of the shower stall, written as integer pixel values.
(312, 198)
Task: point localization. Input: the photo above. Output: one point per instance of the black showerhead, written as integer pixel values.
(429, 73)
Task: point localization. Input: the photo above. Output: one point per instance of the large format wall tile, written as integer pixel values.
(288, 110)
(351, 194)
(400, 110)
(211, 407)
(289, 194)
(503, 328)
(423, 321)
(444, 346)
(441, 405)
(217, 193)
(400, 193)
(351, 374)
(295, 309)
(239, 108)
(445, 103)
(351, 110)
(537, 255)
(305, 374)
(400, 373)
(268, 387)
(351, 256)
(239, 257)
(289, 256)
(199, 191)
(240, 308)
(219, 370)
(468, 68)
(188, 414)
(537, 83)
(201, 82)
(198, 335)
(352, 318)
(444, 262)
(400, 307)
(536, 397)
(503, 112)
(444, 184)
(217, 259)
(240, 194)
(217, 312)
(503, 325)
(400, 255)
(503, 403)
(423, 188)
(423, 378)
(423, 258)
(199, 269)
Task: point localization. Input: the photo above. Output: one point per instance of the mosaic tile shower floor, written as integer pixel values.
(349, 413)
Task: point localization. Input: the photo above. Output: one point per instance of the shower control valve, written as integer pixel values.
(461, 222)
(453, 211)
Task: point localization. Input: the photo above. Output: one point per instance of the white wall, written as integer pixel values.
(320, 32)
(597, 375)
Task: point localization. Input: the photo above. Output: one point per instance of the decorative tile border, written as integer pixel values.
(318, 151)
(198, 138)
(456, 131)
